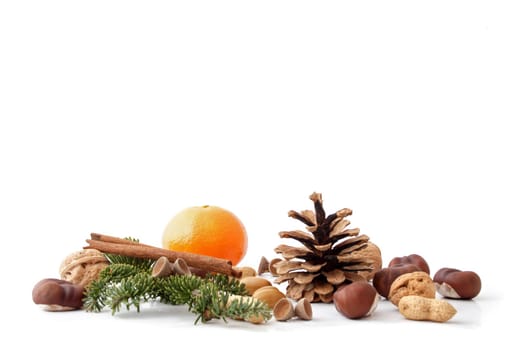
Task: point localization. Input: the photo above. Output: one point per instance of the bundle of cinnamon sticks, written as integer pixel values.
(125, 247)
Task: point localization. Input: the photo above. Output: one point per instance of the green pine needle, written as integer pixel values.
(128, 285)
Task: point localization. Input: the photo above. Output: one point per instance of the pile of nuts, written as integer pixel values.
(407, 284)
(262, 289)
(76, 272)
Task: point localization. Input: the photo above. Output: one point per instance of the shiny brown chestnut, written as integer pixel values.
(356, 300)
(415, 259)
(58, 295)
(457, 284)
(383, 278)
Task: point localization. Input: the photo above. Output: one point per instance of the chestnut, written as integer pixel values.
(411, 259)
(457, 284)
(356, 300)
(383, 278)
(58, 295)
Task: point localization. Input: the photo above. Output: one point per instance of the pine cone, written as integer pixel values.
(327, 258)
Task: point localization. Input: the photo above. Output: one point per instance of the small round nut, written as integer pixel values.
(383, 278)
(252, 283)
(245, 271)
(414, 283)
(415, 259)
(457, 284)
(83, 267)
(269, 295)
(356, 300)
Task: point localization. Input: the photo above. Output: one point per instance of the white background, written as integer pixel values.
(116, 115)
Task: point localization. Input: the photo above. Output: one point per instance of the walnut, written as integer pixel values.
(371, 253)
(83, 267)
(413, 283)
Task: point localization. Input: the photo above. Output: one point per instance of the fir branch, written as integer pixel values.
(127, 282)
(178, 289)
(132, 291)
(121, 285)
(246, 308)
(97, 292)
(226, 284)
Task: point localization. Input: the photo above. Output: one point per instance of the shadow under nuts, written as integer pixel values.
(457, 284)
(356, 300)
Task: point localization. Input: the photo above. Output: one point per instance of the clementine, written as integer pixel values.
(207, 230)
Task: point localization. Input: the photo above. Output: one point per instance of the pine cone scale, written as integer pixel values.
(327, 258)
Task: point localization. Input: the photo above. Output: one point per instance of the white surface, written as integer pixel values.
(115, 115)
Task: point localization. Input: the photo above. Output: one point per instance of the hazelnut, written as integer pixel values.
(457, 284)
(269, 295)
(413, 283)
(411, 259)
(356, 300)
(245, 271)
(383, 278)
(252, 283)
(58, 295)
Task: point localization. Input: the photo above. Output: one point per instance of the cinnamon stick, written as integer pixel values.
(119, 246)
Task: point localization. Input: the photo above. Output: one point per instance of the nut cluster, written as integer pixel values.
(285, 309)
(407, 283)
(76, 271)
(262, 289)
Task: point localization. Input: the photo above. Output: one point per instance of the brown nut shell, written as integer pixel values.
(269, 295)
(252, 283)
(245, 271)
(414, 283)
(303, 309)
(58, 295)
(415, 259)
(419, 308)
(356, 300)
(383, 278)
(457, 284)
(83, 267)
(283, 310)
(371, 253)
